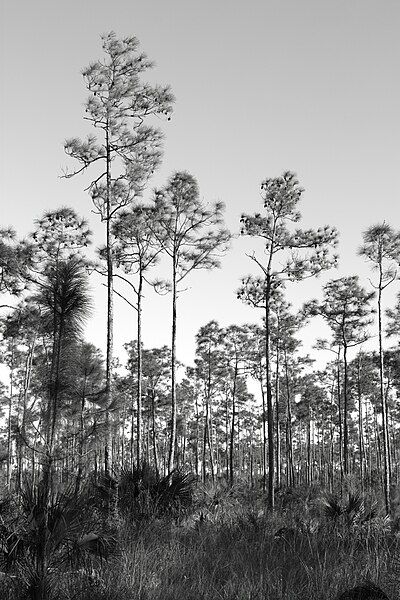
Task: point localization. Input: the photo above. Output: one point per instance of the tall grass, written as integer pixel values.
(228, 546)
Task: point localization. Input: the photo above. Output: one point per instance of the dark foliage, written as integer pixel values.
(41, 536)
(351, 511)
(141, 494)
(368, 591)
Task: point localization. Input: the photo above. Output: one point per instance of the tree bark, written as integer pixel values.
(110, 305)
(289, 425)
(9, 440)
(139, 370)
(232, 436)
(345, 412)
(360, 424)
(264, 433)
(277, 424)
(339, 397)
(153, 432)
(173, 372)
(270, 412)
(385, 426)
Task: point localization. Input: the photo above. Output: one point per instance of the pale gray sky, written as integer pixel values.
(261, 86)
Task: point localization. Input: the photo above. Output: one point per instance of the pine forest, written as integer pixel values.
(258, 470)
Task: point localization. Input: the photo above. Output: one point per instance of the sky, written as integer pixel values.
(261, 87)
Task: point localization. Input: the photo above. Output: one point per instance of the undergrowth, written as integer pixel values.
(222, 543)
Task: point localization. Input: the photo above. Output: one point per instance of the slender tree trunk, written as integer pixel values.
(389, 422)
(345, 412)
(251, 462)
(270, 412)
(264, 433)
(227, 435)
(360, 424)
(210, 443)
(217, 455)
(340, 411)
(153, 432)
(277, 424)
(368, 441)
(22, 438)
(377, 444)
(205, 437)
(385, 427)
(121, 459)
(147, 449)
(173, 372)
(232, 437)
(331, 457)
(110, 306)
(308, 471)
(208, 428)
(184, 443)
(9, 440)
(196, 450)
(81, 442)
(132, 430)
(139, 370)
(289, 424)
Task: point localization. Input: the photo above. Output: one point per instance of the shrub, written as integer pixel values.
(140, 494)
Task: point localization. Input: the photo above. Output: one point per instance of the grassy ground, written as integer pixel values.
(229, 547)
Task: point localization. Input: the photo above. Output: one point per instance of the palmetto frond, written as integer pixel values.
(350, 511)
(141, 494)
(58, 527)
(331, 507)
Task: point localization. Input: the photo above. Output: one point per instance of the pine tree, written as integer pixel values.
(346, 309)
(127, 149)
(136, 251)
(192, 236)
(382, 248)
(288, 256)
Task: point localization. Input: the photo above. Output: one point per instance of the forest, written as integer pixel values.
(251, 473)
